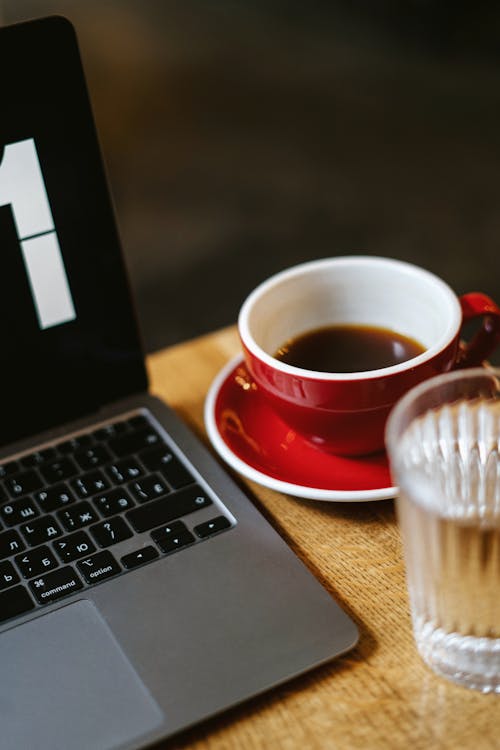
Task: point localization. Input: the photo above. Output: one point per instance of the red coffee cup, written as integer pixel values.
(345, 413)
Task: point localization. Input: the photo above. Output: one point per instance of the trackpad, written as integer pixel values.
(66, 683)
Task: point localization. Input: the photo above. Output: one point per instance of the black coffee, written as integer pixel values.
(348, 348)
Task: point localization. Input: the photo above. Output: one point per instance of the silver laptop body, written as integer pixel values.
(134, 602)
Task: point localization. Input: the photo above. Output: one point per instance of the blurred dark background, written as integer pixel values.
(244, 137)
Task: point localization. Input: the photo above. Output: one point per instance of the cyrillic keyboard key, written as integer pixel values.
(89, 484)
(18, 511)
(10, 543)
(53, 498)
(72, 547)
(21, 484)
(77, 516)
(165, 509)
(148, 488)
(36, 562)
(125, 470)
(8, 575)
(52, 586)
(98, 567)
(14, 602)
(212, 527)
(141, 556)
(114, 501)
(40, 530)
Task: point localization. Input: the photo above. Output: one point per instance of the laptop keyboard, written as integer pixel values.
(66, 509)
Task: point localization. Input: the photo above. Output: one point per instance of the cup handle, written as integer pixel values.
(477, 305)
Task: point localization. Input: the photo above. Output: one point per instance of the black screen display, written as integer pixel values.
(69, 338)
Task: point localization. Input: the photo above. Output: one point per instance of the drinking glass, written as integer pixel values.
(443, 439)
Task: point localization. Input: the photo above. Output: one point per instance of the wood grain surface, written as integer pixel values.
(380, 695)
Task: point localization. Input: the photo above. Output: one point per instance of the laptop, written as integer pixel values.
(140, 589)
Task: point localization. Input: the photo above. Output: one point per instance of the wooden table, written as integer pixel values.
(381, 694)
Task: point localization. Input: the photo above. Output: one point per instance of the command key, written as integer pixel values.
(55, 585)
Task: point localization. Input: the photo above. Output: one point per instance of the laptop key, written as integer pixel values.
(14, 602)
(139, 557)
(18, 511)
(8, 575)
(76, 516)
(53, 586)
(113, 502)
(99, 567)
(172, 537)
(11, 467)
(166, 509)
(72, 547)
(91, 483)
(134, 442)
(212, 527)
(125, 470)
(139, 422)
(75, 444)
(10, 543)
(110, 431)
(148, 488)
(21, 484)
(35, 562)
(39, 457)
(162, 459)
(53, 498)
(90, 458)
(110, 532)
(55, 471)
(40, 530)
(176, 527)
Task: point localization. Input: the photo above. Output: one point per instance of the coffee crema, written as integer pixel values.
(348, 348)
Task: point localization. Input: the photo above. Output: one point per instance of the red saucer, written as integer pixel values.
(256, 442)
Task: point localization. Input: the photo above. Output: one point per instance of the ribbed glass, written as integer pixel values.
(444, 450)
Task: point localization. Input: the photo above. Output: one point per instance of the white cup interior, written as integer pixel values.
(358, 290)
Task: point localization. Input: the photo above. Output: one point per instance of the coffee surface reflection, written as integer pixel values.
(348, 348)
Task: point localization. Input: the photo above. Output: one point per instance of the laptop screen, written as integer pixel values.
(69, 340)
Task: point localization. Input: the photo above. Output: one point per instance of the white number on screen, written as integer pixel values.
(22, 186)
